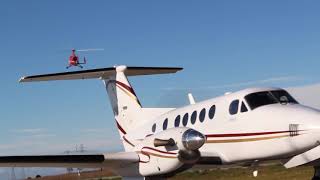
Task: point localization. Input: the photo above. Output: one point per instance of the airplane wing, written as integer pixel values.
(109, 160)
(99, 73)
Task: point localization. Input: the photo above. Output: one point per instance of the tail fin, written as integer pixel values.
(126, 106)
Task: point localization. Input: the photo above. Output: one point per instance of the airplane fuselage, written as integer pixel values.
(237, 133)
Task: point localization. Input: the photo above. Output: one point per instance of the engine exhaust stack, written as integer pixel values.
(163, 142)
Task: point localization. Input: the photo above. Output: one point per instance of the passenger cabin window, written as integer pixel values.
(243, 107)
(185, 119)
(258, 99)
(177, 121)
(233, 108)
(165, 124)
(212, 111)
(154, 128)
(193, 117)
(202, 115)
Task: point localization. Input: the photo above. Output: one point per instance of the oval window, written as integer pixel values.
(165, 124)
(193, 117)
(202, 115)
(185, 119)
(154, 128)
(177, 121)
(233, 108)
(212, 111)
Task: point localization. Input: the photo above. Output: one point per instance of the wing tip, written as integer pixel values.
(25, 79)
(22, 79)
(180, 68)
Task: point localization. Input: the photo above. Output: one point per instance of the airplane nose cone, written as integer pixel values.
(192, 139)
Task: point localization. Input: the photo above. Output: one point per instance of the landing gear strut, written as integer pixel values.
(316, 175)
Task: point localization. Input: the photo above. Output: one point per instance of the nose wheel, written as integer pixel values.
(316, 175)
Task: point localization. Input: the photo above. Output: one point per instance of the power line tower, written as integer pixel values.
(69, 169)
(80, 149)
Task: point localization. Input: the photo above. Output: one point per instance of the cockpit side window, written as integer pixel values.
(233, 108)
(282, 95)
(258, 99)
(243, 107)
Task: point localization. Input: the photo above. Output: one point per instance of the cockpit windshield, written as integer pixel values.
(258, 99)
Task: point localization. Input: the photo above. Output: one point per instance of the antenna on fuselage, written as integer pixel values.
(191, 99)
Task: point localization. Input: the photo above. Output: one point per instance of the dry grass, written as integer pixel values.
(265, 173)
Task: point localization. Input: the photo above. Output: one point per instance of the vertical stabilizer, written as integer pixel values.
(125, 104)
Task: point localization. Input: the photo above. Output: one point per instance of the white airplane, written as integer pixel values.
(244, 128)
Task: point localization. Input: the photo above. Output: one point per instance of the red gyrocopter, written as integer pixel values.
(74, 59)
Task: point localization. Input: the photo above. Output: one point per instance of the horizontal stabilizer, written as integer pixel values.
(111, 160)
(102, 73)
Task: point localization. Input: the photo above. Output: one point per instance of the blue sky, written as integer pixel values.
(223, 46)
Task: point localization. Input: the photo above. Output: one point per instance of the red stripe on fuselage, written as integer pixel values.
(120, 128)
(126, 140)
(246, 134)
(165, 152)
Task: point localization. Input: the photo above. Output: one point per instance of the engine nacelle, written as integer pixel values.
(167, 151)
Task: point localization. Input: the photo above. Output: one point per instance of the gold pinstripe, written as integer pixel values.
(245, 140)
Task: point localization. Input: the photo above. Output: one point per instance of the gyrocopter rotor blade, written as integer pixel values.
(84, 50)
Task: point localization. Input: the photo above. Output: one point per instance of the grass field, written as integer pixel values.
(265, 173)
